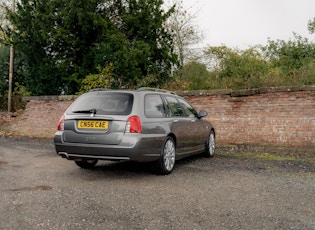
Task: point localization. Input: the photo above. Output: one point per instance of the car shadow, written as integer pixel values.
(125, 169)
(137, 168)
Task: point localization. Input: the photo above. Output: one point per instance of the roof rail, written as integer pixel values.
(99, 89)
(155, 90)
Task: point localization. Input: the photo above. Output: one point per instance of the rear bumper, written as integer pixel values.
(135, 147)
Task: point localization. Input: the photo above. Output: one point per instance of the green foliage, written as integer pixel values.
(17, 102)
(311, 26)
(143, 48)
(279, 63)
(291, 55)
(4, 68)
(195, 75)
(102, 80)
(17, 97)
(4, 76)
(238, 69)
(38, 71)
(59, 42)
(292, 62)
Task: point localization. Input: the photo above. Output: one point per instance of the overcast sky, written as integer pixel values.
(244, 23)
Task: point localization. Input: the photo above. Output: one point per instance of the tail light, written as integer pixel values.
(134, 125)
(61, 123)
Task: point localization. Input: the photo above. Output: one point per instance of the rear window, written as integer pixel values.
(108, 103)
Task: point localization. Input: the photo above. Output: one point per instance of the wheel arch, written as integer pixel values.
(172, 135)
(212, 129)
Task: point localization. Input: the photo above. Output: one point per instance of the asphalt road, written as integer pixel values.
(39, 190)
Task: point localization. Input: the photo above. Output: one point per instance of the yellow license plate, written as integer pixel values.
(90, 124)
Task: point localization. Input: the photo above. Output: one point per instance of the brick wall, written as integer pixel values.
(40, 117)
(283, 116)
(278, 116)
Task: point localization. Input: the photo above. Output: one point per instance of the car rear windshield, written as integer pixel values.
(103, 103)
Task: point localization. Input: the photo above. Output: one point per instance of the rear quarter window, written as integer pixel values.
(153, 106)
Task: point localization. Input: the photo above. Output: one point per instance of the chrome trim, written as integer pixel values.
(72, 156)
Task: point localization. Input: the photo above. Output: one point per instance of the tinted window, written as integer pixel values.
(103, 103)
(154, 106)
(189, 110)
(175, 109)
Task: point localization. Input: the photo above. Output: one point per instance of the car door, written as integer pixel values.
(198, 129)
(181, 126)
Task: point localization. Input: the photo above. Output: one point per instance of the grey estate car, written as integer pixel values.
(138, 125)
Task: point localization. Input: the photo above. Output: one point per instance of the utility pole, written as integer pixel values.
(11, 68)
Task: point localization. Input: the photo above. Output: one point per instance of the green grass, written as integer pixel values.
(270, 153)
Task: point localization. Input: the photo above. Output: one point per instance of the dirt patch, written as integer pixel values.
(4, 117)
(3, 162)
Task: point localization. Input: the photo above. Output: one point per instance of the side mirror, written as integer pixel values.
(202, 113)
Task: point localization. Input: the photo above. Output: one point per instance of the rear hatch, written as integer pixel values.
(98, 118)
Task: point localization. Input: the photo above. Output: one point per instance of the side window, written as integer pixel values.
(153, 106)
(174, 107)
(189, 110)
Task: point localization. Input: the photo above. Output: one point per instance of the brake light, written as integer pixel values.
(134, 125)
(61, 123)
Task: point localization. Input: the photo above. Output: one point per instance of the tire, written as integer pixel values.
(86, 164)
(210, 145)
(166, 162)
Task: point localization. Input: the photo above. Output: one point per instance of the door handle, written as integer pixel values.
(175, 121)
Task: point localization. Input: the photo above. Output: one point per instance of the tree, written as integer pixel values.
(237, 69)
(196, 75)
(290, 56)
(4, 4)
(4, 52)
(102, 80)
(311, 26)
(185, 32)
(142, 53)
(4, 68)
(39, 72)
(62, 41)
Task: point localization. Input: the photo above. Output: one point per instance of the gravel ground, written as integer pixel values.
(234, 190)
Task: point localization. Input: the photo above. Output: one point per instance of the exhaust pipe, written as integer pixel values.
(63, 155)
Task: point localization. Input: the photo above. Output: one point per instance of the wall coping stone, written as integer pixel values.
(232, 93)
(51, 98)
(247, 92)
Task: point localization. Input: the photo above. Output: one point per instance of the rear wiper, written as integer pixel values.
(86, 111)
